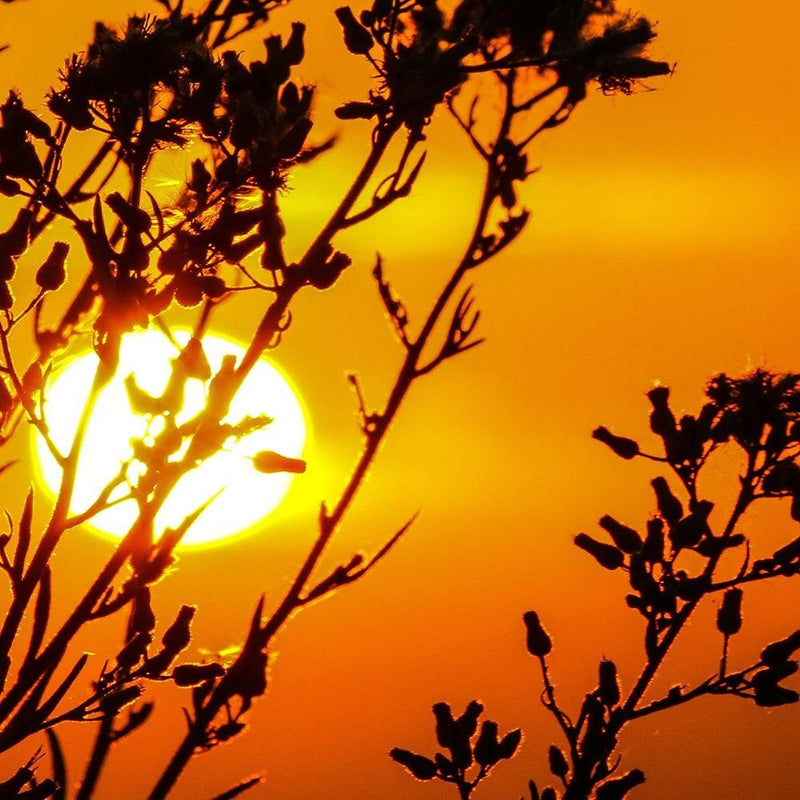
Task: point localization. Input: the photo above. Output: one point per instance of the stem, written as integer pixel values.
(55, 527)
(329, 522)
(100, 750)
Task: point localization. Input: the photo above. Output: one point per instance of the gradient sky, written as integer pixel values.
(663, 246)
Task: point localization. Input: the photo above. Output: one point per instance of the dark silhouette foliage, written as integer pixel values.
(688, 552)
(170, 80)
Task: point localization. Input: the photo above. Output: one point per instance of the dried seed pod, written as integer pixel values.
(606, 555)
(467, 723)
(294, 49)
(772, 696)
(625, 538)
(135, 219)
(783, 477)
(624, 448)
(653, 547)
(780, 651)
(192, 674)
(268, 461)
(357, 38)
(188, 290)
(558, 762)
(509, 743)
(608, 684)
(9, 187)
(662, 420)
(356, 110)
(446, 767)
(178, 635)
(143, 620)
(113, 703)
(486, 747)
(729, 615)
(213, 286)
(688, 531)
(669, 506)
(52, 274)
(133, 652)
(445, 724)
(420, 767)
(538, 642)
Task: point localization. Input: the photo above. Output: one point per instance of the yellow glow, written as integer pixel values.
(247, 497)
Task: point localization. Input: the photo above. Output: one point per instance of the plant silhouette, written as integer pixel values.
(169, 81)
(689, 551)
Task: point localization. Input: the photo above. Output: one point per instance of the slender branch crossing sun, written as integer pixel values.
(267, 415)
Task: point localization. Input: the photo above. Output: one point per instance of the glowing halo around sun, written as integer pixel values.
(247, 495)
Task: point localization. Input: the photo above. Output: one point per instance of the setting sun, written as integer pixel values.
(146, 355)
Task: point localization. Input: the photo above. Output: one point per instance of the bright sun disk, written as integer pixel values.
(247, 495)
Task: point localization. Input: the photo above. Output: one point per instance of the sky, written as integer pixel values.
(662, 247)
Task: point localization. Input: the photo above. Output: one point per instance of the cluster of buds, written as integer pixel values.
(265, 114)
(18, 157)
(466, 747)
(419, 65)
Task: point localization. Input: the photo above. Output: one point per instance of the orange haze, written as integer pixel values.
(663, 246)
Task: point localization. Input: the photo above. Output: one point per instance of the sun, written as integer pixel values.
(247, 495)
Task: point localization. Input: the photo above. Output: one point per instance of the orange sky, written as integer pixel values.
(662, 246)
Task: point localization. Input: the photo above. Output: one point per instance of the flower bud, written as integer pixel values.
(624, 448)
(539, 643)
(420, 767)
(486, 747)
(729, 615)
(52, 274)
(178, 635)
(268, 461)
(294, 49)
(357, 38)
(192, 674)
(113, 703)
(625, 538)
(608, 684)
(558, 762)
(356, 110)
(606, 555)
(8, 187)
(653, 547)
(136, 220)
(778, 652)
(143, 619)
(669, 506)
(662, 420)
(509, 743)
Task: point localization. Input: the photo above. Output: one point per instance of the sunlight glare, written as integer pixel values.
(248, 495)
